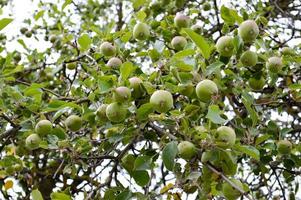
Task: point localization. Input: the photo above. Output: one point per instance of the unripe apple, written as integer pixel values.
(284, 147)
(197, 28)
(225, 46)
(186, 89)
(256, 84)
(288, 51)
(121, 94)
(274, 64)
(225, 137)
(53, 38)
(71, 66)
(205, 90)
(135, 85)
(32, 141)
(28, 34)
(107, 49)
(186, 150)
(116, 112)
(230, 192)
(178, 43)
(101, 113)
(181, 20)
(114, 62)
(23, 30)
(249, 58)
(141, 31)
(206, 6)
(162, 101)
(43, 127)
(128, 162)
(73, 123)
(248, 31)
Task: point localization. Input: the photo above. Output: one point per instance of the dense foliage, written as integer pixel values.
(152, 100)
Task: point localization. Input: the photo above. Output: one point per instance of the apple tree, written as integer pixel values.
(141, 99)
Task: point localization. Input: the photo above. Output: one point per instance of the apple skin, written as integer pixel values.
(274, 64)
(186, 150)
(136, 86)
(186, 89)
(162, 101)
(43, 127)
(231, 193)
(256, 84)
(205, 90)
(101, 113)
(248, 31)
(114, 62)
(71, 66)
(73, 123)
(284, 147)
(225, 137)
(32, 141)
(141, 31)
(197, 28)
(121, 94)
(225, 46)
(116, 112)
(181, 20)
(178, 43)
(107, 49)
(249, 58)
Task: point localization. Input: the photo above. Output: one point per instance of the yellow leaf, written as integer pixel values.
(166, 188)
(8, 184)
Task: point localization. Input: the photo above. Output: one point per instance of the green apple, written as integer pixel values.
(205, 90)
(71, 66)
(141, 31)
(162, 101)
(32, 141)
(107, 49)
(274, 64)
(121, 94)
(101, 113)
(249, 58)
(178, 43)
(225, 137)
(197, 28)
(225, 46)
(248, 31)
(73, 123)
(181, 20)
(116, 112)
(256, 84)
(114, 62)
(186, 150)
(284, 147)
(43, 127)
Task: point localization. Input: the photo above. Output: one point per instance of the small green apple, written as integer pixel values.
(43, 127)
(116, 112)
(225, 137)
(107, 49)
(114, 62)
(181, 20)
(141, 31)
(249, 58)
(162, 101)
(274, 64)
(186, 150)
(178, 43)
(32, 141)
(121, 94)
(205, 90)
(73, 123)
(284, 147)
(248, 31)
(225, 46)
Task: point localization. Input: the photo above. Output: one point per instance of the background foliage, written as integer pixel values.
(93, 163)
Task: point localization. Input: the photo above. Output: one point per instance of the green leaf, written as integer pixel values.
(141, 177)
(126, 69)
(144, 110)
(125, 195)
(214, 115)
(39, 15)
(84, 41)
(247, 100)
(230, 16)
(184, 53)
(169, 154)
(249, 150)
(138, 3)
(4, 22)
(213, 67)
(200, 42)
(36, 195)
(141, 15)
(142, 163)
(59, 196)
(66, 3)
